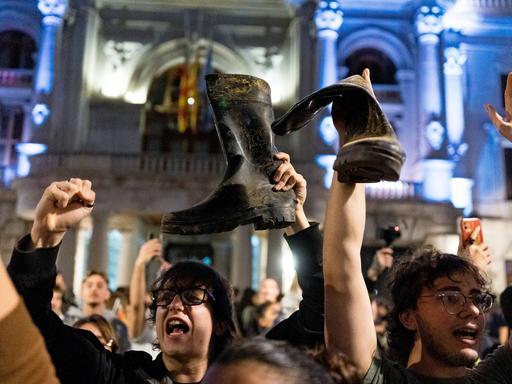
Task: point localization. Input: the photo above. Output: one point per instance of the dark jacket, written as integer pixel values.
(80, 358)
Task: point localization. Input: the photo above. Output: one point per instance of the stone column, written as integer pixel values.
(428, 27)
(454, 97)
(98, 246)
(328, 20)
(241, 257)
(53, 12)
(127, 255)
(437, 169)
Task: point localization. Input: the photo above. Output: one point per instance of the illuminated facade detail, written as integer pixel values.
(461, 194)
(40, 113)
(328, 20)
(326, 162)
(437, 180)
(118, 53)
(454, 96)
(328, 132)
(53, 12)
(434, 133)
(428, 26)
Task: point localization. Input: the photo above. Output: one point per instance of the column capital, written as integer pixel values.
(328, 18)
(53, 11)
(454, 60)
(429, 21)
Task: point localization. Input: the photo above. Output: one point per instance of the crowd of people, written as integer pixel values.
(429, 331)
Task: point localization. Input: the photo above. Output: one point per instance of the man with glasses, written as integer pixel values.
(439, 304)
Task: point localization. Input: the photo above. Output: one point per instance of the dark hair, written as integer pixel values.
(103, 326)
(92, 272)
(340, 368)
(408, 277)
(506, 305)
(191, 274)
(294, 365)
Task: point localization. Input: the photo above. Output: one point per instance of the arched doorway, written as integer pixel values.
(17, 50)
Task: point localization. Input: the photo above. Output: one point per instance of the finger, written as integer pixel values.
(494, 116)
(282, 156)
(86, 195)
(281, 171)
(283, 180)
(290, 183)
(61, 193)
(76, 181)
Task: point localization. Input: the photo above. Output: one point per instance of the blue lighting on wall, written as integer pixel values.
(40, 113)
(25, 150)
(326, 162)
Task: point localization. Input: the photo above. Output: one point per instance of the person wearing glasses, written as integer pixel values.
(439, 304)
(191, 303)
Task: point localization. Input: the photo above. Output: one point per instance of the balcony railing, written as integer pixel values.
(399, 190)
(16, 78)
(143, 165)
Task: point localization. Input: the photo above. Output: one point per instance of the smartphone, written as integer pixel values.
(467, 226)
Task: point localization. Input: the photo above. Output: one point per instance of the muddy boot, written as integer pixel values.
(242, 113)
(370, 151)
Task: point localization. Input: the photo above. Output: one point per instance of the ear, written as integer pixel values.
(408, 320)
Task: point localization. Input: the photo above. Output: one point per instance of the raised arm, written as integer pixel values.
(348, 316)
(503, 123)
(138, 285)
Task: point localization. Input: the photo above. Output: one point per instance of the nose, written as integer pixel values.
(470, 309)
(176, 303)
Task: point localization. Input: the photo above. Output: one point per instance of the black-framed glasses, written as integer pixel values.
(454, 302)
(189, 296)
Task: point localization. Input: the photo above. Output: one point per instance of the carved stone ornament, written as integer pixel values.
(328, 16)
(53, 7)
(429, 20)
(435, 134)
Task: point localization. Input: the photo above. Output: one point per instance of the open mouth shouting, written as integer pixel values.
(176, 326)
(467, 335)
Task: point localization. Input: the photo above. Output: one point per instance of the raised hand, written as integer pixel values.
(63, 205)
(503, 123)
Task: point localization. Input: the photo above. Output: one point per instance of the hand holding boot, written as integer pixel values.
(63, 205)
(286, 178)
(503, 124)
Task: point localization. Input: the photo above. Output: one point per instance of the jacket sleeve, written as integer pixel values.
(305, 327)
(77, 355)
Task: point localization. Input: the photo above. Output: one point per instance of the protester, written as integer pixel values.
(439, 299)
(266, 362)
(100, 328)
(191, 302)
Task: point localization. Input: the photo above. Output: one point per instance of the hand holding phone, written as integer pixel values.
(471, 231)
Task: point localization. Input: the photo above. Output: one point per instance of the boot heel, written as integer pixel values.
(273, 217)
(369, 161)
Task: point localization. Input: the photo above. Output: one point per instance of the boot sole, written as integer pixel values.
(369, 161)
(263, 218)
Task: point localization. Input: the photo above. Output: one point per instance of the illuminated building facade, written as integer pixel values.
(112, 91)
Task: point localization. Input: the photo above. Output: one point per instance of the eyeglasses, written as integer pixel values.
(454, 302)
(189, 296)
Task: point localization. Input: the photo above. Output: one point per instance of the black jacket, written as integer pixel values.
(80, 358)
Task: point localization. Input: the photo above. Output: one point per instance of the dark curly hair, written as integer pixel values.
(192, 274)
(409, 276)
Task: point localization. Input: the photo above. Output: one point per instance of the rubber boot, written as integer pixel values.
(370, 151)
(243, 113)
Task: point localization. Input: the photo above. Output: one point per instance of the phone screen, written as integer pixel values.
(467, 226)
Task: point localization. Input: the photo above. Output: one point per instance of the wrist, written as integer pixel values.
(44, 239)
(301, 221)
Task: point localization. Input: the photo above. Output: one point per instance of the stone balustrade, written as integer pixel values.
(17, 78)
(138, 165)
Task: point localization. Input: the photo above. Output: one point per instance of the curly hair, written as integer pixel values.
(186, 274)
(409, 276)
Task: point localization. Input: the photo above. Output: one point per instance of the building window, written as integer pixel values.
(177, 117)
(17, 50)
(382, 69)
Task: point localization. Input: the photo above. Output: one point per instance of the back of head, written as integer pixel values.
(409, 276)
(187, 274)
(506, 305)
(268, 360)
